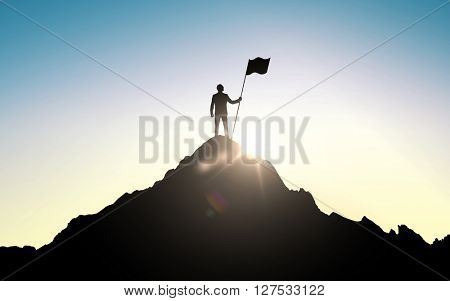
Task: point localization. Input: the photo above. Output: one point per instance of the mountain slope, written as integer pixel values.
(223, 216)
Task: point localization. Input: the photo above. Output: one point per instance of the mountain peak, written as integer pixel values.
(220, 162)
(223, 215)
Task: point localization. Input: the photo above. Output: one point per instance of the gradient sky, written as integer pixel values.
(377, 141)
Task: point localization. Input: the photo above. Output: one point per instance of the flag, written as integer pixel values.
(257, 65)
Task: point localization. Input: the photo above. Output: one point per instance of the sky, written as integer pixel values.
(377, 138)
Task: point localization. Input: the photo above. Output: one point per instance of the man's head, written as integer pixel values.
(219, 88)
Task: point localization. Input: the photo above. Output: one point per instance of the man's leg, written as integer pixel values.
(225, 124)
(216, 128)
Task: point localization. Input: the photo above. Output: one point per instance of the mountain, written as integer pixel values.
(221, 215)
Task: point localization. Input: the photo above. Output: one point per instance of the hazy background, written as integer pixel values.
(377, 141)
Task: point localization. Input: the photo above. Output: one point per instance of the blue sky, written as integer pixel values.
(69, 126)
(137, 37)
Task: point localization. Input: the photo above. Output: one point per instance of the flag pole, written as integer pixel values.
(239, 105)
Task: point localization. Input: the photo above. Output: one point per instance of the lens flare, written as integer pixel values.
(217, 201)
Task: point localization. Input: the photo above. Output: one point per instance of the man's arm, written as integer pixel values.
(234, 101)
(211, 109)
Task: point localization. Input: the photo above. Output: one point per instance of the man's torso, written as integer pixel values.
(220, 103)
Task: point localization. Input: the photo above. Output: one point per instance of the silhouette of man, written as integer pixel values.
(219, 100)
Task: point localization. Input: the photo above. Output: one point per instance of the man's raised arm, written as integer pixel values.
(234, 101)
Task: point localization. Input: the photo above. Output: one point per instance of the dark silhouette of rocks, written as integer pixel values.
(220, 216)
